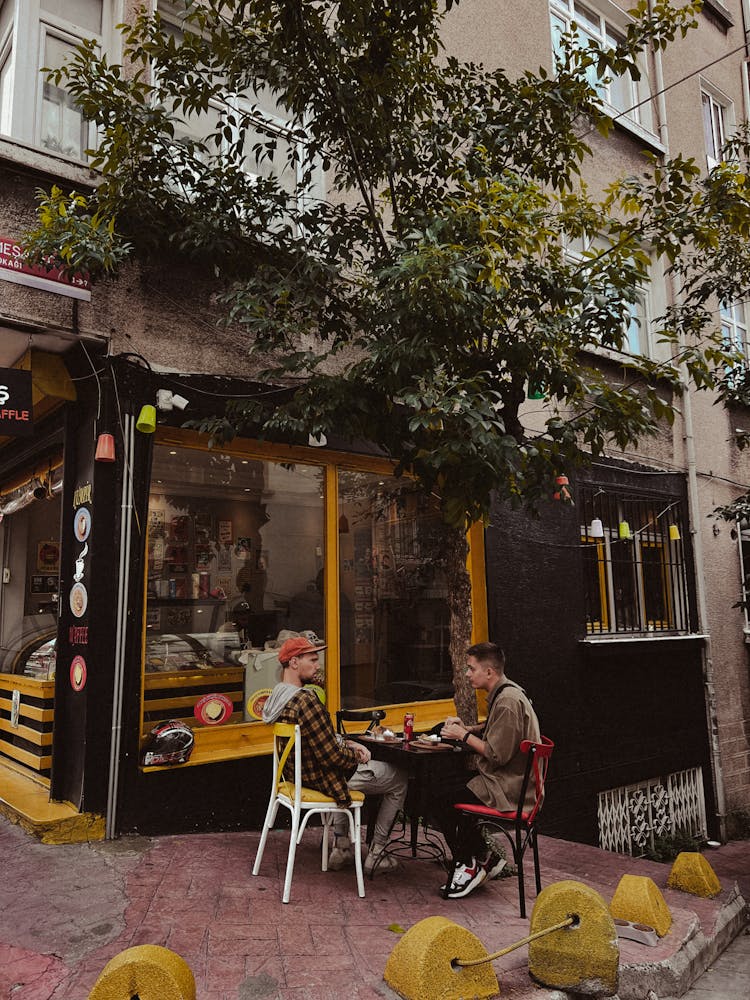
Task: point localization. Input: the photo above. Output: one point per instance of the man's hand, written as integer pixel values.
(361, 752)
(453, 729)
(454, 719)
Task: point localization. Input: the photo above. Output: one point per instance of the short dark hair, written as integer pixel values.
(488, 653)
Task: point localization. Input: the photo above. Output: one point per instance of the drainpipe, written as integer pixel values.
(126, 518)
(694, 517)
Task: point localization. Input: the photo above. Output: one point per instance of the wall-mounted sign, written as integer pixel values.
(14, 268)
(78, 635)
(79, 600)
(256, 701)
(78, 673)
(83, 494)
(16, 410)
(48, 557)
(213, 709)
(82, 524)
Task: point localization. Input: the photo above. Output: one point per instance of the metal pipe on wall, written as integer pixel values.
(694, 517)
(126, 520)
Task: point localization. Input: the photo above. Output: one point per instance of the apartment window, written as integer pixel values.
(743, 541)
(636, 322)
(44, 33)
(258, 114)
(603, 23)
(633, 563)
(717, 122)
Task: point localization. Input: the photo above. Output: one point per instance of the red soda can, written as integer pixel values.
(408, 726)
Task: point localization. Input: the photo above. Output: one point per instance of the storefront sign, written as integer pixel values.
(14, 268)
(213, 709)
(82, 524)
(78, 635)
(83, 494)
(78, 673)
(16, 411)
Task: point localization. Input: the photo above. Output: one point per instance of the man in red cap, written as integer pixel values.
(331, 764)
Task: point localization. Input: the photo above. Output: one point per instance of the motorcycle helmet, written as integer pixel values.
(170, 742)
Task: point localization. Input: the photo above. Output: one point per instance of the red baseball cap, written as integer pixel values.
(297, 647)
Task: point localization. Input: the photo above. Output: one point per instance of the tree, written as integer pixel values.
(416, 304)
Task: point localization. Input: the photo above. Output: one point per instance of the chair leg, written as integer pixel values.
(535, 848)
(518, 852)
(273, 806)
(355, 822)
(290, 856)
(327, 819)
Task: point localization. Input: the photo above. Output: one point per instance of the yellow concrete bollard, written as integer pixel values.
(147, 971)
(692, 873)
(421, 967)
(638, 899)
(583, 958)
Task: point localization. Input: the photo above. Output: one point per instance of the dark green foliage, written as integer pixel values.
(414, 307)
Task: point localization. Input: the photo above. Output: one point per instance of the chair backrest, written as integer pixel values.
(373, 716)
(537, 764)
(291, 733)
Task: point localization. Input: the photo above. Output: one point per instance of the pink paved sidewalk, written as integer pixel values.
(68, 909)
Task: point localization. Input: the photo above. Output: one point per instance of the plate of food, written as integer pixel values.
(381, 735)
(431, 741)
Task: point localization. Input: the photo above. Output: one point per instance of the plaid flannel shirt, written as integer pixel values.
(326, 763)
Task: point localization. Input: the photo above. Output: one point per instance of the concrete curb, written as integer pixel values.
(674, 976)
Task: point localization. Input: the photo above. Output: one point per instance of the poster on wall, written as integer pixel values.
(48, 557)
(225, 532)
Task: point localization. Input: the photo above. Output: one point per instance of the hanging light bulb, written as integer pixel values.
(105, 448)
(597, 528)
(674, 533)
(624, 530)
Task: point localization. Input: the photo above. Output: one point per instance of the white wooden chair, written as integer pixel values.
(308, 801)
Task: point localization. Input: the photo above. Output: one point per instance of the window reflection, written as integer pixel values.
(235, 561)
(393, 593)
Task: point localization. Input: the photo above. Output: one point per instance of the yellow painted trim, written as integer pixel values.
(187, 701)
(331, 561)
(27, 685)
(25, 733)
(477, 569)
(34, 761)
(247, 448)
(29, 711)
(182, 679)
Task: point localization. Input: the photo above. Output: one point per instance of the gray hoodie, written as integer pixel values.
(278, 699)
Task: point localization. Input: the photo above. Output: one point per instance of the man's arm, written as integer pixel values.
(320, 737)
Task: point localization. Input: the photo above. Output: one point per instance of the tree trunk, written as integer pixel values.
(460, 625)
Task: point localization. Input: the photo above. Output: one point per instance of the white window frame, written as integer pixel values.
(641, 311)
(30, 25)
(607, 21)
(171, 14)
(717, 115)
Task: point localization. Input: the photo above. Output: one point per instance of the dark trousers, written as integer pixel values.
(461, 833)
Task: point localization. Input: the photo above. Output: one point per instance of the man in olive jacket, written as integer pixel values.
(500, 765)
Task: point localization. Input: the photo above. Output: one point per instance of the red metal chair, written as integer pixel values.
(517, 826)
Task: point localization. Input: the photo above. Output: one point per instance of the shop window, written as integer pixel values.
(394, 615)
(44, 33)
(603, 23)
(235, 564)
(241, 555)
(633, 563)
(30, 547)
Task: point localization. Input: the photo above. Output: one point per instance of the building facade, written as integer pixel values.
(155, 580)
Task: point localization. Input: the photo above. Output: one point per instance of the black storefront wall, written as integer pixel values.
(618, 712)
(88, 595)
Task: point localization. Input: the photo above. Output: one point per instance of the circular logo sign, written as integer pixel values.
(79, 600)
(256, 701)
(78, 673)
(213, 709)
(82, 523)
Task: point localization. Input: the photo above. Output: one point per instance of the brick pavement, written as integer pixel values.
(68, 909)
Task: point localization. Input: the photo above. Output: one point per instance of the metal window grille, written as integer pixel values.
(634, 564)
(633, 816)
